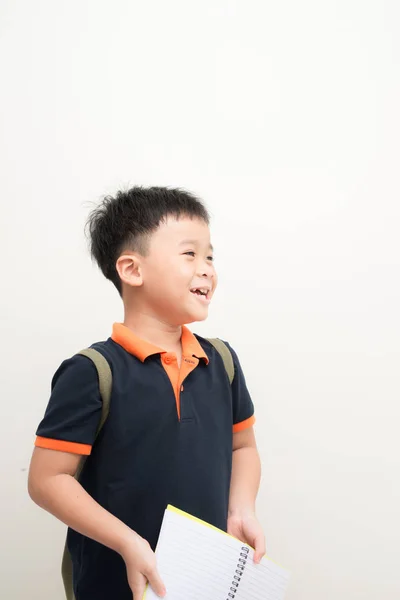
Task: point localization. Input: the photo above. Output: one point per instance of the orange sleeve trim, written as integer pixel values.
(63, 446)
(244, 424)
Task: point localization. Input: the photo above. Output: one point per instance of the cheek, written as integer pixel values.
(174, 279)
(173, 276)
(183, 271)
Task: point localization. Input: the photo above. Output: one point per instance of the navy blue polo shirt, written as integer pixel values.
(167, 440)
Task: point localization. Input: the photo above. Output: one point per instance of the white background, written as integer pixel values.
(284, 117)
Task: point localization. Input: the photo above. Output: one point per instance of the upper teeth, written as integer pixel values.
(202, 290)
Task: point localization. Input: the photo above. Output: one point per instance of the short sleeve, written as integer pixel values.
(242, 404)
(74, 409)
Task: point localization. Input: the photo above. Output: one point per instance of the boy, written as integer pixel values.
(168, 437)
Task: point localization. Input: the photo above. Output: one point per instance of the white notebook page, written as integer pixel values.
(197, 562)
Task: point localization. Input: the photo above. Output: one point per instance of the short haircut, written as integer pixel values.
(126, 220)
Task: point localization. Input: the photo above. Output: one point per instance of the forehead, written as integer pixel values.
(175, 231)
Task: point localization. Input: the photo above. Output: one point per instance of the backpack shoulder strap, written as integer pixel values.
(105, 382)
(226, 356)
(105, 386)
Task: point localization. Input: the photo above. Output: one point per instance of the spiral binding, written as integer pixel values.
(244, 554)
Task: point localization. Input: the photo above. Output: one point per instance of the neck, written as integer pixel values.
(153, 330)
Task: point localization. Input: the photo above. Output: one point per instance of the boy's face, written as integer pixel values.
(178, 275)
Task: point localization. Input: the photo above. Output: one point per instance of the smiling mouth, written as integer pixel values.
(203, 293)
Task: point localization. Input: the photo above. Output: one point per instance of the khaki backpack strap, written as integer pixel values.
(105, 382)
(66, 573)
(105, 385)
(226, 356)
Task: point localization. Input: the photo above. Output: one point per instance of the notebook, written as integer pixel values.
(197, 561)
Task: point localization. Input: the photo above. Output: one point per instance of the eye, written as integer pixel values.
(210, 258)
(191, 253)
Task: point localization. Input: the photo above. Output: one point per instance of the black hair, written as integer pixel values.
(125, 221)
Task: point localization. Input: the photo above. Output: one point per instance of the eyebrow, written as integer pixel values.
(193, 242)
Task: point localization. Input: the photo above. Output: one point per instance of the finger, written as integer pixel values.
(259, 545)
(156, 582)
(138, 584)
(138, 589)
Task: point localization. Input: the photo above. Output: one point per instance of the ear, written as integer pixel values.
(129, 270)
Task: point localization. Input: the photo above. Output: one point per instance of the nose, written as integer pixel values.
(206, 270)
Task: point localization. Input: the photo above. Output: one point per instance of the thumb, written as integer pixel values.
(259, 545)
(156, 582)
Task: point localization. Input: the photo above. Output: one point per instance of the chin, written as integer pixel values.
(195, 317)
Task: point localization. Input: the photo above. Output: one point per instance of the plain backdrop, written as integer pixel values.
(284, 117)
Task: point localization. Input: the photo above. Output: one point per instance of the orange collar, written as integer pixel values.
(135, 345)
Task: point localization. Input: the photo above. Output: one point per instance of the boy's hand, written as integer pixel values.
(247, 529)
(141, 567)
